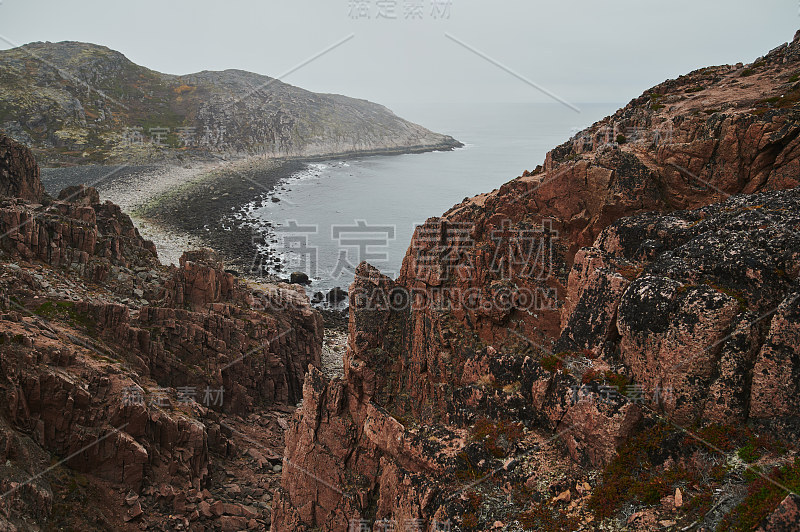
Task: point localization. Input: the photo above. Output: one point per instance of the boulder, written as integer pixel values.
(299, 278)
(335, 296)
(80, 194)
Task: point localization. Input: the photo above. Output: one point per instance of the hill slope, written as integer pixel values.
(76, 102)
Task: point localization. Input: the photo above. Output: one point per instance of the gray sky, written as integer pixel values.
(580, 50)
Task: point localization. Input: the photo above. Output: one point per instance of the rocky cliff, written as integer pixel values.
(608, 341)
(77, 102)
(20, 173)
(133, 378)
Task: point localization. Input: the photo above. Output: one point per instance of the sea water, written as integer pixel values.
(334, 214)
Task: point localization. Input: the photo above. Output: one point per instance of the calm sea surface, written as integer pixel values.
(334, 214)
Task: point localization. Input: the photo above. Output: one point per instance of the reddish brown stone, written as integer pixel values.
(440, 346)
(19, 173)
(785, 518)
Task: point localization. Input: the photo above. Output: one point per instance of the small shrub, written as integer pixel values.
(588, 353)
(609, 377)
(752, 473)
(626, 476)
(621, 139)
(654, 101)
(497, 438)
(183, 88)
(724, 437)
(636, 474)
(735, 294)
(700, 503)
(718, 472)
(615, 379)
(749, 453)
(474, 499)
(469, 520)
(544, 517)
(630, 272)
(64, 311)
(758, 446)
(552, 363)
(590, 375)
(465, 470)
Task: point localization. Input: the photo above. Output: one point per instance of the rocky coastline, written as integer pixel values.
(195, 204)
(607, 342)
(154, 386)
(157, 117)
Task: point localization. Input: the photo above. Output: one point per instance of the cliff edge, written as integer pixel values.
(605, 342)
(130, 387)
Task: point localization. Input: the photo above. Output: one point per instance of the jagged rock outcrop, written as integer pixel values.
(80, 194)
(709, 314)
(128, 369)
(540, 311)
(78, 102)
(19, 173)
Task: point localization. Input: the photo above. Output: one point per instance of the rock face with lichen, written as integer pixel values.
(19, 173)
(707, 310)
(126, 368)
(77, 102)
(646, 274)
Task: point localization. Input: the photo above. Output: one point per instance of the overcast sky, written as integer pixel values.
(579, 50)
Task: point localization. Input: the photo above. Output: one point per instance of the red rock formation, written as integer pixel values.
(107, 358)
(785, 518)
(19, 173)
(86, 239)
(775, 392)
(515, 302)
